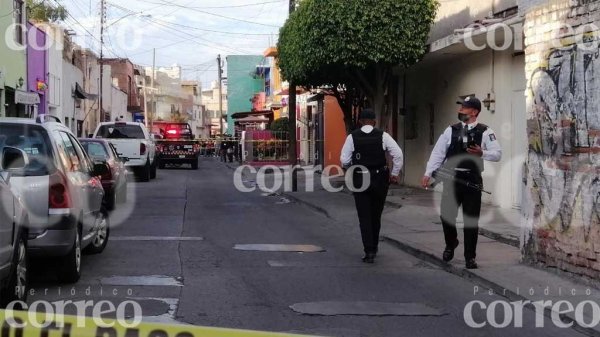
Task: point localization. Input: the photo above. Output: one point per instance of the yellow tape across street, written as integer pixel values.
(30, 324)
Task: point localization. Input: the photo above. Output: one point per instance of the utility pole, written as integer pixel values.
(292, 124)
(153, 90)
(102, 22)
(220, 93)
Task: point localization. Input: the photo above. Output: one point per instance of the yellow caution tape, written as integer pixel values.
(31, 324)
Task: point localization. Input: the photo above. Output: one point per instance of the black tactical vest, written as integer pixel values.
(368, 149)
(457, 155)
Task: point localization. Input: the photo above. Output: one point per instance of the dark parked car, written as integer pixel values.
(115, 180)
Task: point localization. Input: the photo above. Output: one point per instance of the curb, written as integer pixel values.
(309, 205)
(482, 231)
(481, 281)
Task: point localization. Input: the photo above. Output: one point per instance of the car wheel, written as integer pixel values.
(194, 164)
(69, 270)
(153, 170)
(17, 286)
(101, 239)
(145, 172)
(161, 164)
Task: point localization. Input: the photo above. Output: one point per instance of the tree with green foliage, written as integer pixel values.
(41, 10)
(350, 47)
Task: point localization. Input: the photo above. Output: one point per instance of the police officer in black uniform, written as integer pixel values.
(366, 149)
(461, 150)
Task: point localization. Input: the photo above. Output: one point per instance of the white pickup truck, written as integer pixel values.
(133, 142)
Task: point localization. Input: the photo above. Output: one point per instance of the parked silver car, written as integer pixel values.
(61, 190)
(13, 232)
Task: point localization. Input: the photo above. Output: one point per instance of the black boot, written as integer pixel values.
(448, 254)
(471, 264)
(369, 258)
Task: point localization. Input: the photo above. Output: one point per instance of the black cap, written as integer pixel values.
(367, 113)
(470, 102)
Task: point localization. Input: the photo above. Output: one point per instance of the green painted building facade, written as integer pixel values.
(242, 84)
(13, 62)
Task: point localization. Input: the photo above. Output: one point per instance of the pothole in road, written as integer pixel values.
(156, 238)
(279, 248)
(365, 309)
(148, 280)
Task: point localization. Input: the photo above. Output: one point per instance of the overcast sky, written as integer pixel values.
(190, 33)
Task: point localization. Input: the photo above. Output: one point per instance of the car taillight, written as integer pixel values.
(142, 149)
(59, 192)
(196, 147)
(172, 132)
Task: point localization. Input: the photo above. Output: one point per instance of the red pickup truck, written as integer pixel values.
(175, 144)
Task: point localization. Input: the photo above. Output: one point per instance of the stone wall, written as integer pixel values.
(562, 184)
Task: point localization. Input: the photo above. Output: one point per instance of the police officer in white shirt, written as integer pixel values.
(367, 147)
(461, 149)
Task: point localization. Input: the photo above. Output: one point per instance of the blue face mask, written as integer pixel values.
(463, 117)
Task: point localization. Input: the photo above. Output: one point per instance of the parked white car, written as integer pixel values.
(134, 142)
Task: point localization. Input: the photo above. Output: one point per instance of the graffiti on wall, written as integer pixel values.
(564, 139)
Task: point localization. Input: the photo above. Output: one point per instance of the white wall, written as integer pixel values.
(119, 104)
(55, 69)
(439, 82)
(71, 112)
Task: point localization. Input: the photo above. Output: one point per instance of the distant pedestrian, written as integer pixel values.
(461, 150)
(367, 147)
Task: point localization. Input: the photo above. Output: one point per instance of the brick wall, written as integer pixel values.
(562, 186)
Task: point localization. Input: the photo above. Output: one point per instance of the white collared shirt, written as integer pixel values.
(489, 144)
(389, 145)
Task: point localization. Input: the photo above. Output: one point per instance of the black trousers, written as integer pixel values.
(454, 196)
(369, 206)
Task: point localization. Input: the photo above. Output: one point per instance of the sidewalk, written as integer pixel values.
(411, 223)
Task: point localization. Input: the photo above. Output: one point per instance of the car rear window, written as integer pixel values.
(95, 149)
(34, 141)
(120, 131)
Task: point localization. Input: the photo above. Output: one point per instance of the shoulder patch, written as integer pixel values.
(492, 137)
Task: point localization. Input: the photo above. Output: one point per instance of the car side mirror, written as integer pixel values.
(90, 135)
(14, 159)
(101, 169)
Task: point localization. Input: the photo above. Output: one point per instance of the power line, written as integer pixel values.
(238, 6)
(196, 28)
(213, 14)
(193, 37)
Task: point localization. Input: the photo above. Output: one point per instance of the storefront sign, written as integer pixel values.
(27, 98)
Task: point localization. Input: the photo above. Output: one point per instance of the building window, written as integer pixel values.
(20, 25)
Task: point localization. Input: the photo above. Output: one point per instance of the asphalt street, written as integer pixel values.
(172, 249)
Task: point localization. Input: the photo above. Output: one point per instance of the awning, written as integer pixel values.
(27, 98)
(245, 114)
(81, 94)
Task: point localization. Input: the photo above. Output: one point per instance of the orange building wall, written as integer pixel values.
(335, 132)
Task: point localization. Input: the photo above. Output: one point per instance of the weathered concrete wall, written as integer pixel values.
(562, 188)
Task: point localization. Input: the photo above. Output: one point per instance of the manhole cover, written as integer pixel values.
(280, 248)
(366, 309)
